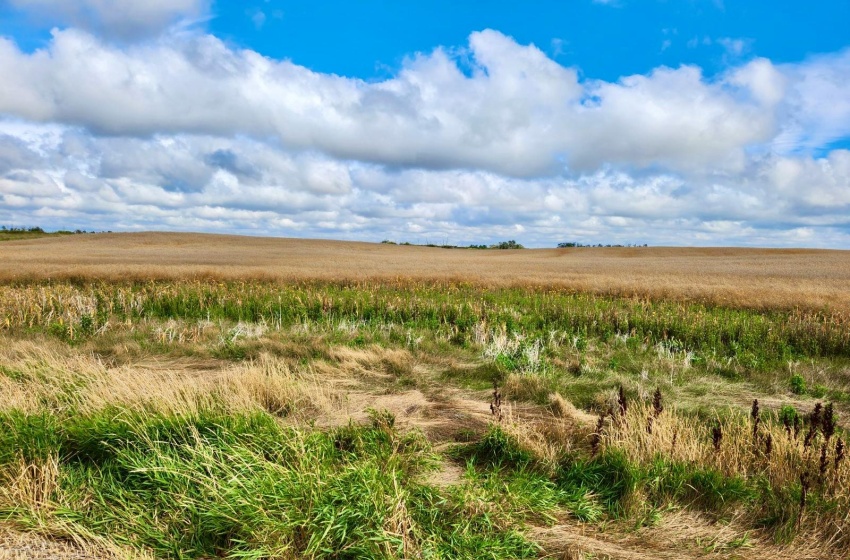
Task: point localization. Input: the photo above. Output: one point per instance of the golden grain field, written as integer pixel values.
(753, 278)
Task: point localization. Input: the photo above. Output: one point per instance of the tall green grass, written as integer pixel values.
(758, 339)
(247, 487)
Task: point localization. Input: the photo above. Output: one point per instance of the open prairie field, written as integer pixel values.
(195, 397)
(754, 278)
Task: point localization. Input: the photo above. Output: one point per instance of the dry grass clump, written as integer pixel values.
(370, 361)
(548, 437)
(786, 451)
(29, 484)
(525, 387)
(42, 374)
(50, 376)
(561, 407)
(30, 306)
(732, 444)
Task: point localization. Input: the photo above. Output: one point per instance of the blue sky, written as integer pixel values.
(371, 38)
(701, 122)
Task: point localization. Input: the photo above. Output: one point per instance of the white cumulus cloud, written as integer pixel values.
(515, 111)
(496, 139)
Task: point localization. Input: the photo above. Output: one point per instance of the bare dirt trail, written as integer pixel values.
(679, 535)
(448, 415)
(15, 545)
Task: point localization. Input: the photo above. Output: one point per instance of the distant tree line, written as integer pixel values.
(14, 229)
(575, 244)
(512, 244)
(37, 229)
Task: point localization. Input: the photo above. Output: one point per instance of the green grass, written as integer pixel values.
(588, 345)
(251, 485)
(247, 487)
(753, 339)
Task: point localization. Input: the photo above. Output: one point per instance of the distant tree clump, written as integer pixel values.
(507, 245)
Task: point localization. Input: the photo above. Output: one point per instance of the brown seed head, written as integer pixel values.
(716, 437)
(829, 421)
(657, 403)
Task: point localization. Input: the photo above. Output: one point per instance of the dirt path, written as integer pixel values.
(15, 545)
(449, 415)
(679, 536)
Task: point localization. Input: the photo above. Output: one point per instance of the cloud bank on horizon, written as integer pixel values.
(135, 116)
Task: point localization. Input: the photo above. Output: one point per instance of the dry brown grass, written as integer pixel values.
(29, 484)
(687, 439)
(682, 532)
(54, 377)
(757, 278)
(744, 452)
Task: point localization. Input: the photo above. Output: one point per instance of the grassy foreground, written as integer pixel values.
(259, 420)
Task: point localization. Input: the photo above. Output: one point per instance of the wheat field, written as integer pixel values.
(751, 278)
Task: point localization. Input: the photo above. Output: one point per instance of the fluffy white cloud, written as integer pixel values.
(124, 19)
(670, 117)
(498, 141)
(515, 111)
(191, 182)
(817, 103)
